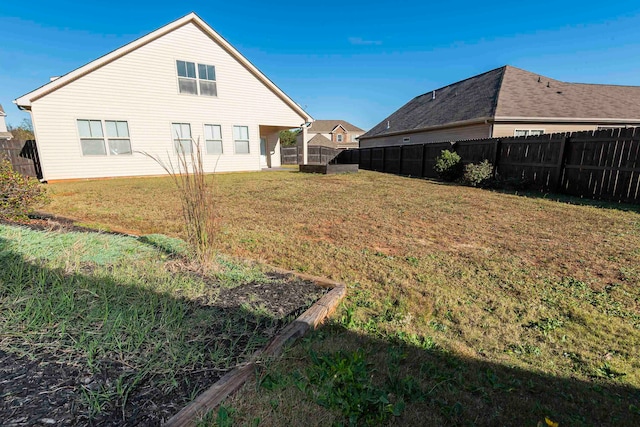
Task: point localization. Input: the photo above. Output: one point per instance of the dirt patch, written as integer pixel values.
(40, 388)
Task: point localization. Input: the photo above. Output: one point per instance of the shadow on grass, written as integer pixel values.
(431, 386)
(573, 200)
(97, 346)
(101, 346)
(555, 197)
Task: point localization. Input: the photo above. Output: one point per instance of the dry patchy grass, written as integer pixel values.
(509, 308)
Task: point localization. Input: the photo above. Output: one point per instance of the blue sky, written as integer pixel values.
(352, 60)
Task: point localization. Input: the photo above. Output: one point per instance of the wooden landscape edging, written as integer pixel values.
(235, 378)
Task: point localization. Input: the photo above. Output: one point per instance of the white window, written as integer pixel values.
(213, 139)
(91, 138)
(200, 80)
(339, 137)
(181, 133)
(118, 137)
(207, 76)
(528, 132)
(187, 82)
(241, 139)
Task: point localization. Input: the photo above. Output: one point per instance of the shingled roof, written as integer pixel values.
(321, 140)
(510, 92)
(326, 126)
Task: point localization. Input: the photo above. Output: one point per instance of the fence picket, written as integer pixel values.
(598, 164)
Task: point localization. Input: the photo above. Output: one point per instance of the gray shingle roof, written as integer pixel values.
(522, 95)
(511, 92)
(321, 140)
(326, 126)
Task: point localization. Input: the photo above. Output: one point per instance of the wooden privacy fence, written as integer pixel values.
(596, 164)
(23, 155)
(316, 154)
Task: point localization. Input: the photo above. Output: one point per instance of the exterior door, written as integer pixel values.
(263, 152)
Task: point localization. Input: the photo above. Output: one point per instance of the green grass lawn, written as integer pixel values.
(133, 331)
(465, 306)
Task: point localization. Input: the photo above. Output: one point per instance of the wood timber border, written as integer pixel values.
(234, 379)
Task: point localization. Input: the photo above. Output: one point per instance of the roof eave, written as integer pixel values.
(479, 120)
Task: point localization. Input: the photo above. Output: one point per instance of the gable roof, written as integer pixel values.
(327, 126)
(320, 139)
(512, 93)
(24, 102)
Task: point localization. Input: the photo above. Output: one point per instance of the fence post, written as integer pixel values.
(496, 156)
(557, 179)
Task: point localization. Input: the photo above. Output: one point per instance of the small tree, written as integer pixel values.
(288, 137)
(19, 194)
(449, 165)
(23, 132)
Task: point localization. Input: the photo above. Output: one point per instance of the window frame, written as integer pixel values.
(91, 137)
(198, 79)
(213, 140)
(235, 141)
(117, 138)
(105, 138)
(178, 139)
(339, 137)
(528, 132)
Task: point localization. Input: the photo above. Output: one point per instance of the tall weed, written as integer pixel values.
(196, 196)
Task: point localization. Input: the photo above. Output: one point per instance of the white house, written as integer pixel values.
(178, 84)
(331, 133)
(4, 133)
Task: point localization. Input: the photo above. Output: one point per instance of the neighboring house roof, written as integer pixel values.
(321, 140)
(512, 93)
(327, 126)
(24, 102)
(2, 113)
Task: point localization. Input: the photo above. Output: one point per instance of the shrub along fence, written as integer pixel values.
(23, 156)
(601, 164)
(316, 154)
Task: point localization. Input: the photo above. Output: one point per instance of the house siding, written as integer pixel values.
(506, 130)
(440, 135)
(142, 88)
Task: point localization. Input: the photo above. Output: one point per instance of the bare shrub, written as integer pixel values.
(197, 199)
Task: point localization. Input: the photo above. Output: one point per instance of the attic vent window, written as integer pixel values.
(406, 139)
(200, 80)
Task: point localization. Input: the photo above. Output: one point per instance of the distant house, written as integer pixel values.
(506, 102)
(331, 133)
(158, 94)
(4, 133)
